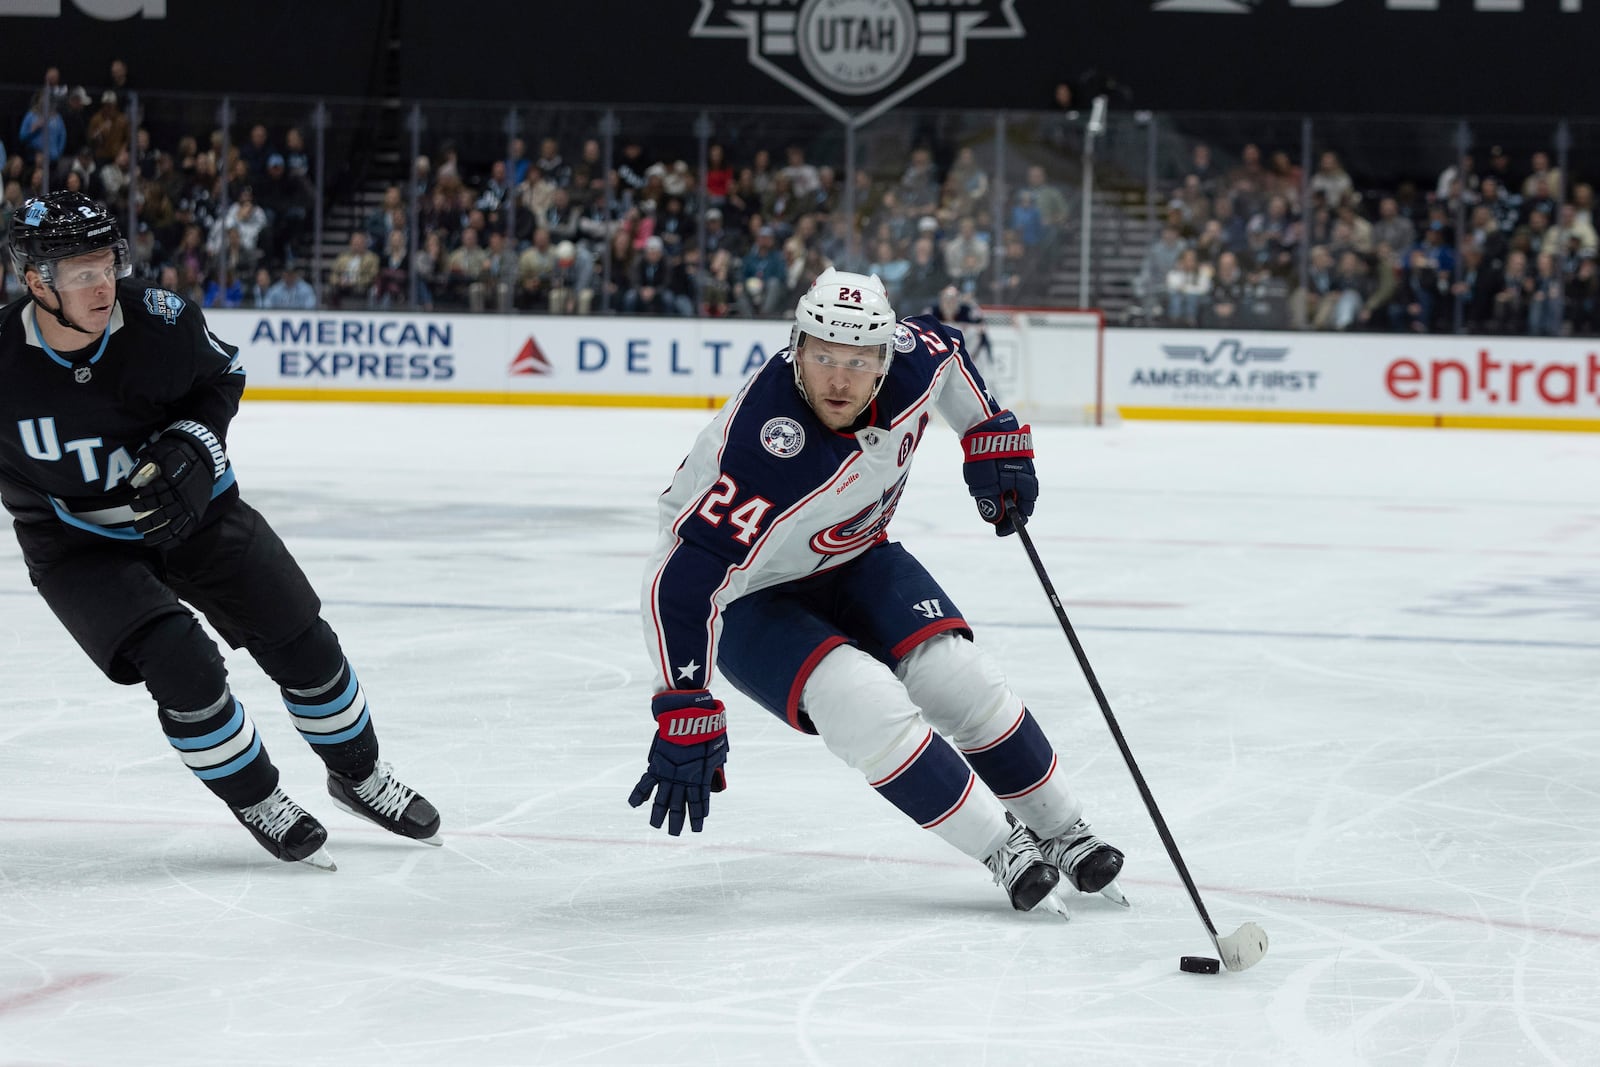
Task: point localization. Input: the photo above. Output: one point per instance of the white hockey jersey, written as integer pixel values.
(768, 494)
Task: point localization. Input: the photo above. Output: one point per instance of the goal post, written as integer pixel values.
(1048, 365)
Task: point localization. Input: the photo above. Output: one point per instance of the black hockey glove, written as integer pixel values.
(174, 476)
(999, 470)
(686, 758)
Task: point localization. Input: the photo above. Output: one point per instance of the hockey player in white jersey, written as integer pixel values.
(774, 569)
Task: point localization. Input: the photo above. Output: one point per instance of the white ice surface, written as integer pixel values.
(1359, 668)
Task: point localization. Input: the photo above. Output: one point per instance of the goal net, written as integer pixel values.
(1047, 365)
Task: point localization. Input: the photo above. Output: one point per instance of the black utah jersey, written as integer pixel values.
(71, 423)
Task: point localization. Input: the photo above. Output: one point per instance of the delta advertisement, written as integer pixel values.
(1388, 379)
(497, 358)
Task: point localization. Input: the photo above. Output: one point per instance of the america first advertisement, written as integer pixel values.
(1382, 379)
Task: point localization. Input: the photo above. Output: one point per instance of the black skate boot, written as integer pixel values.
(384, 799)
(1086, 862)
(286, 830)
(1020, 868)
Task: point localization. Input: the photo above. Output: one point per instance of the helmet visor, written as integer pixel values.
(90, 270)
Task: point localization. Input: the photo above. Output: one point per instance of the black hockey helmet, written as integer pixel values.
(57, 226)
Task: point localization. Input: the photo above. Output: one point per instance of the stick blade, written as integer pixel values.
(1243, 948)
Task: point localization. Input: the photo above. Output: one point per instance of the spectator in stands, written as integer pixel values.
(1224, 305)
(517, 161)
(1541, 171)
(1583, 298)
(1230, 226)
(1331, 180)
(291, 291)
(1353, 280)
(353, 273)
(1414, 307)
(108, 133)
(588, 180)
(393, 285)
(675, 227)
(650, 282)
(967, 244)
(1569, 225)
(1539, 199)
(1203, 169)
(618, 271)
(1285, 179)
(1506, 208)
(925, 277)
(255, 152)
(255, 294)
(1458, 179)
(919, 184)
(1312, 305)
(1393, 228)
(190, 259)
(961, 310)
(226, 290)
(247, 219)
(891, 268)
(500, 280)
(119, 83)
(719, 174)
(535, 268)
(432, 270)
(966, 186)
(1188, 286)
(717, 237)
(1052, 204)
(571, 284)
(803, 178)
(764, 263)
(719, 287)
(1150, 284)
(40, 132)
(1512, 301)
(295, 156)
(1547, 303)
(1245, 185)
(1385, 286)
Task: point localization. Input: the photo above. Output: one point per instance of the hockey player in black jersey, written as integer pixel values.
(113, 463)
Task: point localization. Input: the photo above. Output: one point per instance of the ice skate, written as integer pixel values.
(286, 830)
(384, 799)
(1087, 863)
(1020, 868)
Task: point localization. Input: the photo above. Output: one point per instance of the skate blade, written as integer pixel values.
(436, 840)
(320, 860)
(1054, 905)
(1112, 892)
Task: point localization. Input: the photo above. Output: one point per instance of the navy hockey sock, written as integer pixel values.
(1017, 763)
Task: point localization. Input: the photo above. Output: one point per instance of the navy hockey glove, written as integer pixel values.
(174, 476)
(686, 758)
(999, 470)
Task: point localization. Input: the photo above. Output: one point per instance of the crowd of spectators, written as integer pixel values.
(554, 231)
(1498, 250)
(1501, 250)
(549, 233)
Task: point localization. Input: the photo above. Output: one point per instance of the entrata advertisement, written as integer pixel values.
(1320, 377)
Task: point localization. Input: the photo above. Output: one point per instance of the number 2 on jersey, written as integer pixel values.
(746, 517)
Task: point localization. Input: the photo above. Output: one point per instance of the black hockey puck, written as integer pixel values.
(1199, 965)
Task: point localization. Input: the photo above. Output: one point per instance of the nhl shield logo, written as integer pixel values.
(783, 437)
(856, 59)
(81, 374)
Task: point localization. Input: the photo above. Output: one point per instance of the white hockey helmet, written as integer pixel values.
(846, 308)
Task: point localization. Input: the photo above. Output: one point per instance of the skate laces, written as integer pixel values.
(1019, 852)
(274, 815)
(384, 793)
(1070, 848)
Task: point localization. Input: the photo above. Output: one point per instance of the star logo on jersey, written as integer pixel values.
(687, 672)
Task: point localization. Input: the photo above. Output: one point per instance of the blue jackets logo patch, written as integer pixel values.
(783, 437)
(163, 303)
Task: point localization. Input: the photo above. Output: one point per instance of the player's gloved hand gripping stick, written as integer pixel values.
(999, 470)
(686, 759)
(174, 476)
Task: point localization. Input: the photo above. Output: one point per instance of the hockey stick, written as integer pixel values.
(1246, 945)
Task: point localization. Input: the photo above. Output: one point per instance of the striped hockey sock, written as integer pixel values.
(220, 745)
(333, 719)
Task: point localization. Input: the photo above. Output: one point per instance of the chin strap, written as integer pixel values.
(55, 313)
